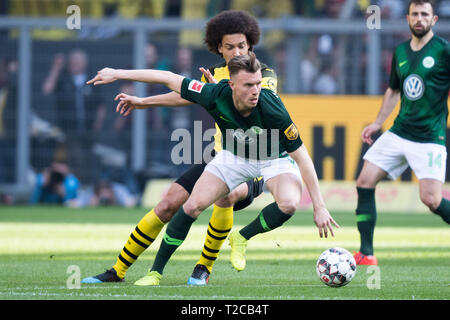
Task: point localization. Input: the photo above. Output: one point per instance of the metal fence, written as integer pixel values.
(310, 56)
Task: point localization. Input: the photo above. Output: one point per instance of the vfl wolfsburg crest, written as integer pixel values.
(256, 129)
(428, 62)
(413, 87)
(248, 136)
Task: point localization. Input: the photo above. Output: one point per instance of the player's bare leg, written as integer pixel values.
(286, 190)
(366, 214)
(206, 191)
(218, 229)
(144, 234)
(431, 195)
(172, 201)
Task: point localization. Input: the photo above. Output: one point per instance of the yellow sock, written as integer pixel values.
(218, 229)
(140, 239)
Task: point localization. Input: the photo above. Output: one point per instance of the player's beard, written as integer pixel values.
(420, 33)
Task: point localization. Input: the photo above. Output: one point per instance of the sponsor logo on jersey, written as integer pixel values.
(401, 64)
(196, 86)
(428, 62)
(291, 132)
(413, 87)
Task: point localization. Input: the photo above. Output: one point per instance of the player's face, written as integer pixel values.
(421, 19)
(246, 88)
(233, 45)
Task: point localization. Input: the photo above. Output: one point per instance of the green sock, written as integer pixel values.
(444, 210)
(271, 217)
(176, 232)
(366, 217)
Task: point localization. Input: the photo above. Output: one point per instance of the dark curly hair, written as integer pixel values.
(231, 22)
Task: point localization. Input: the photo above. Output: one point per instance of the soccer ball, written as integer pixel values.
(336, 267)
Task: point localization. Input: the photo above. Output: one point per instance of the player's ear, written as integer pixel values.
(231, 83)
(434, 20)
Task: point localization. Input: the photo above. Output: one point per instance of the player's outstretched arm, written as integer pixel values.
(322, 217)
(172, 99)
(390, 100)
(108, 75)
(128, 103)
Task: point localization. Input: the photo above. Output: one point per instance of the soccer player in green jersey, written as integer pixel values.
(228, 34)
(420, 79)
(259, 139)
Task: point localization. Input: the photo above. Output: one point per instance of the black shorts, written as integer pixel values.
(255, 188)
(190, 177)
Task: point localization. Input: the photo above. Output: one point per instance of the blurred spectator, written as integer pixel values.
(80, 112)
(106, 193)
(326, 82)
(55, 185)
(8, 119)
(308, 66)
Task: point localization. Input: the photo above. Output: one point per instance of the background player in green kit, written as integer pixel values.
(420, 77)
(247, 115)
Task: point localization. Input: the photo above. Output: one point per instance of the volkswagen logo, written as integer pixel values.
(413, 87)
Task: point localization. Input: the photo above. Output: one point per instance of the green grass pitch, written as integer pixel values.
(38, 246)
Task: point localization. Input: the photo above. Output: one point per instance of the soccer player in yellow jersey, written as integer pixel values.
(229, 34)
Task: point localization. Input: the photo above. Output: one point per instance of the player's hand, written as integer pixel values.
(58, 61)
(208, 75)
(127, 103)
(368, 131)
(324, 221)
(104, 76)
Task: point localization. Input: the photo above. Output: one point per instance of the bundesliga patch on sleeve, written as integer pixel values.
(196, 86)
(291, 132)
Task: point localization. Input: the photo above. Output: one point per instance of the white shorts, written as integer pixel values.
(234, 170)
(394, 154)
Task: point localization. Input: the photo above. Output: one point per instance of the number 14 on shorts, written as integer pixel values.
(434, 160)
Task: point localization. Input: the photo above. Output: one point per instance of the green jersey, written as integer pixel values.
(423, 78)
(267, 133)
